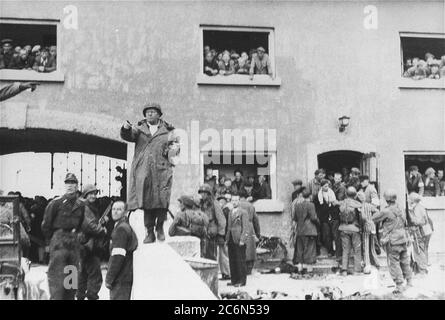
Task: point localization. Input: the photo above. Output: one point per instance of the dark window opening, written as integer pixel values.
(251, 165)
(424, 162)
(28, 46)
(423, 58)
(234, 52)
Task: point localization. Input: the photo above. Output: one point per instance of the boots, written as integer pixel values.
(150, 237)
(150, 224)
(160, 229)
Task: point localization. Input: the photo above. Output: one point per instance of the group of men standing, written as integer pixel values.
(346, 218)
(74, 230)
(227, 227)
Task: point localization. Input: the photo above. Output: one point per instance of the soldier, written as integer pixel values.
(90, 276)
(217, 222)
(151, 171)
(190, 222)
(350, 230)
(119, 279)
(62, 221)
(395, 240)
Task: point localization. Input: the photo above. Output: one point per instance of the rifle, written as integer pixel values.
(106, 212)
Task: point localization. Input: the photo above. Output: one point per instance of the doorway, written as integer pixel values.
(337, 161)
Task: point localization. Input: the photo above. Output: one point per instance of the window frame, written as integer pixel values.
(243, 80)
(431, 203)
(28, 75)
(272, 167)
(424, 83)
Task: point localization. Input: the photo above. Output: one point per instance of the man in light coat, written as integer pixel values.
(151, 174)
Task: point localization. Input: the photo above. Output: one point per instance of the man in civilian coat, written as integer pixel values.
(151, 174)
(254, 231)
(236, 238)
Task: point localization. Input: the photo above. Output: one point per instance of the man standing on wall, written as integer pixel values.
(152, 168)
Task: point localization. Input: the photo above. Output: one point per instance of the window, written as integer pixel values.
(423, 59)
(227, 55)
(29, 50)
(420, 166)
(251, 164)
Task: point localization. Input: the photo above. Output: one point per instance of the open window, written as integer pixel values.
(252, 164)
(422, 60)
(240, 44)
(29, 50)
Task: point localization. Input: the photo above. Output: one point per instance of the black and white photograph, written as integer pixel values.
(222, 152)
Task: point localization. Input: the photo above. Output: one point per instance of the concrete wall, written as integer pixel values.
(125, 53)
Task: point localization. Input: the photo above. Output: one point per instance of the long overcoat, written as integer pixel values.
(151, 173)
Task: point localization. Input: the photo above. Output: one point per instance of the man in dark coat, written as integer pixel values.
(237, 233)
(306, 234)
(90, 275)
(119, 279)
(152, 168)
(254, 230)
(62, 221)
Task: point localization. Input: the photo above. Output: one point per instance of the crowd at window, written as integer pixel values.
(430, 68)
(431, 184)
(226, 63)
(256, 187)
(27, 57)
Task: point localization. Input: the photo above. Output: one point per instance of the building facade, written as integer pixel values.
(330, 59)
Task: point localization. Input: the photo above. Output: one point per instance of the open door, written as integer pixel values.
(369, 167)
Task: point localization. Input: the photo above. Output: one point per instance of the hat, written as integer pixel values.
(221, 197)
(297, 182)
(70, 177)
(187, 201)
(6, 41)
(35, 48)
(88, 189)
(234, 55)
(155, 106)
(205, 188)
(260, 49)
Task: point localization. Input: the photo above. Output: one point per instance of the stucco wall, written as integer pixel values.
(125, 53)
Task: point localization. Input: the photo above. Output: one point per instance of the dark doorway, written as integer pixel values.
(334, 161)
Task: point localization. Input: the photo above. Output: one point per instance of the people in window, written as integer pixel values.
(261, 63)
(264, 191)
(231, 62)
(441, 182)
(238, 182)
(226, 65)
(21, 61)
(6, 53)
(430, 68)
(211, 67)
(45, 62)
(27, 57)
(431, 184)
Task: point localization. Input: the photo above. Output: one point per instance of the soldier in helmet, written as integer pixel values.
(350, 230)
(217, 222)
(190, 222)
(63, 220)
(90, 275)
(151, 174)
(395, 240)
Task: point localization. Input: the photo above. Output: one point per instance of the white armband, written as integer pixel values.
(118, 252)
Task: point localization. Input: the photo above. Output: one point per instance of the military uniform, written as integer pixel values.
(396, 243)
(61, 222)
(350, 233)
(119, 277)
(90, 276)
